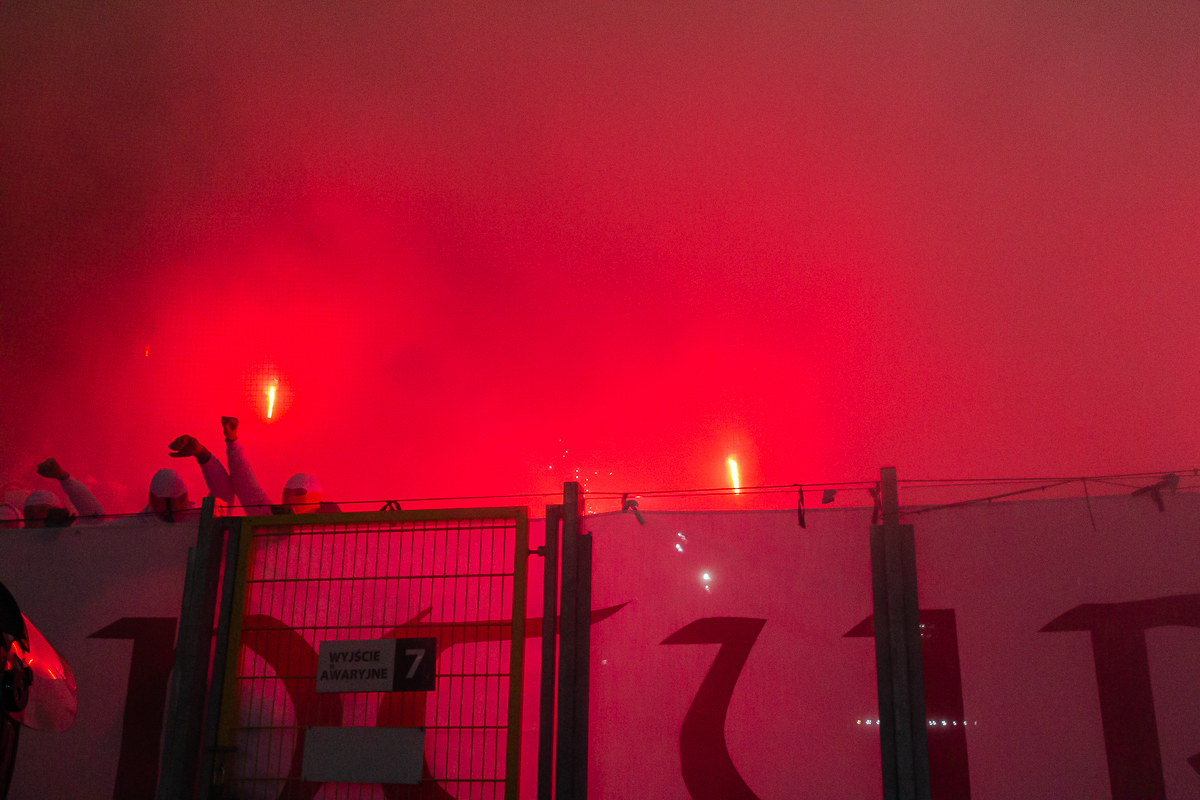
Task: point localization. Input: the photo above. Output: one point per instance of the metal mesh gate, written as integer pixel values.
(457, 576)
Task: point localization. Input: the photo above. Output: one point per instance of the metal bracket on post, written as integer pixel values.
(903, 727)
(575, 607)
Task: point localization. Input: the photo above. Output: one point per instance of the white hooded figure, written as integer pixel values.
(43, 508)
(168, 497)
(10, 516)
(302, 494)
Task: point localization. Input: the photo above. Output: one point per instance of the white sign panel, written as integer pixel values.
(364, 755)
(360, 665)
(1060, 648)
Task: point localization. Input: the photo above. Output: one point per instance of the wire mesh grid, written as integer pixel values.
(456, 578)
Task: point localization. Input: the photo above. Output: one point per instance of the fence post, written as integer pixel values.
(209, 760)
(193, 644)
(545, 779)
(574, 650)
(903, 727)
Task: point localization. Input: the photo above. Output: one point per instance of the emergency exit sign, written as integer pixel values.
(377, 665)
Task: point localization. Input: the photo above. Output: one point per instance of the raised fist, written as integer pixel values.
(185, 446)
(50, 469)
(230, 426)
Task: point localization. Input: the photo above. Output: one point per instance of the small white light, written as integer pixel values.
(706, 577)
(679, 547)
(868, 722)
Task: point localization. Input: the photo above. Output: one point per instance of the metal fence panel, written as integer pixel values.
(455, 575)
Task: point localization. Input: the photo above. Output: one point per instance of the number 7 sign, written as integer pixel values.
(416, 664)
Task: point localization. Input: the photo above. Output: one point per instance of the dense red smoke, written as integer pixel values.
(478, 247)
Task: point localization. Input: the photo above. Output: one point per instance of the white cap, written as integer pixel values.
(167, 483)
(8, 512)
(43, 498)
(301, 481)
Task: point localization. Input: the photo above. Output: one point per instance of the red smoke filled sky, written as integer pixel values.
(471, 242)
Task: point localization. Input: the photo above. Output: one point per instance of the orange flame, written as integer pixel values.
(733, 476)
(270, 401)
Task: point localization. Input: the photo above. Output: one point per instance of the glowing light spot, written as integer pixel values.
(270, 401)
(679, 547)
(733, 476)
(706, 577)
(147, 352)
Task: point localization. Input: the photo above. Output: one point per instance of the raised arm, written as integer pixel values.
(215, 476)
(253, 499)
(86, 505)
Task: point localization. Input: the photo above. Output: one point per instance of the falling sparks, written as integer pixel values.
(270, 401)
(733, 476)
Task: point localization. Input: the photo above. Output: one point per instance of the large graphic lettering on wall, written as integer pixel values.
(949, 778)
(289, 654)
(708, 770)
(1118, 631)
(1118, 642)
(145, 701)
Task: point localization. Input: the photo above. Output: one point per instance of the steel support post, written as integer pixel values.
(549, 552)
(574, 650)
(193, 646)
(216, 687)
(903, 727)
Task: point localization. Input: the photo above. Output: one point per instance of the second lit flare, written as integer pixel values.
(733, 476)
(270, 401)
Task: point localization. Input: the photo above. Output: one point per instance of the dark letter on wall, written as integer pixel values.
(708, 771)
(145, 701)
(949, 778)
(1123, 676)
